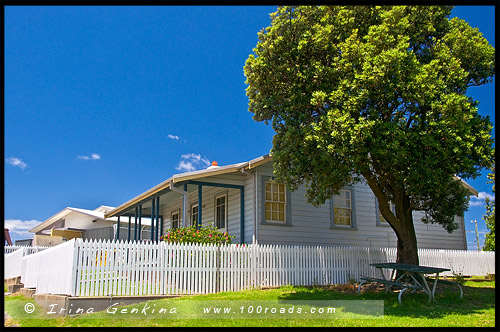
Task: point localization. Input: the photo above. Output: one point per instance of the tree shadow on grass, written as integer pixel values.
(414, 305)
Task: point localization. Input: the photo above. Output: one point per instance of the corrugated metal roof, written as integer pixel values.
(177, 178)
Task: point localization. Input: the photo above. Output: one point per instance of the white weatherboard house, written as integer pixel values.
(241, 200)
(74, 223)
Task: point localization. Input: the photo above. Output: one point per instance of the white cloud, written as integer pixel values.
(173, 137)
(482, 195)
(479, 200)
(93, 156)
(191, 162)
(185, 166)
(16, 162)
(20, 228)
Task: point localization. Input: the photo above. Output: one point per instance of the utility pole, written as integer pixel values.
(477, 234)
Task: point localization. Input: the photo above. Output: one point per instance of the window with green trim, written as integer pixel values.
(221, 211)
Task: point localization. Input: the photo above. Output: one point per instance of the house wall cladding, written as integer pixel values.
(144, 234)
(104, 233)
(311, 225)
(249, 236)
(78, 221)
(208, 204)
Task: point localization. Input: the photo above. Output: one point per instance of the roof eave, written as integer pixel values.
(467, 186)
(207, 172)
(51, 220)
(138, 198)
(258, 161)
(176, 178)
(82, 211)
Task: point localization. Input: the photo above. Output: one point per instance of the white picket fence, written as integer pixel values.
(50, 271)
(111, 268)
(13, 257)
(460, 262)
(28, 250)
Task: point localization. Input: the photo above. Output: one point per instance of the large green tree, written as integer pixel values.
(375, 94)
(489, 217)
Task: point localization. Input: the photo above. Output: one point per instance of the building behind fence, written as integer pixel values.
(28, 250)
(113, 268)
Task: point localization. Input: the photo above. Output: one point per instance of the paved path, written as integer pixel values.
(6, 317)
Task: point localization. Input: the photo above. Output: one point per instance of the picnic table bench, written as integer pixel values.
(448, 283)
(416, 275)
(388, 285)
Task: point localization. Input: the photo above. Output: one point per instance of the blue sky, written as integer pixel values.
(103, 103)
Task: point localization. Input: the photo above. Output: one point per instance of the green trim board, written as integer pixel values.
(222, 185)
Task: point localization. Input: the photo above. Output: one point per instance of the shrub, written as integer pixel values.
(207, 234)
(460, 278)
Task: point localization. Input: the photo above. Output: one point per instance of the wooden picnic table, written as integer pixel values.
(415, 273)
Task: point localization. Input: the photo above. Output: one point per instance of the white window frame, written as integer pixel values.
(335, 204)
(379, 216)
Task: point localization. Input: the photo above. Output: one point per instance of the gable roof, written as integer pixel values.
(467, 186)
(104, 208)
(238, 167)
(177, 178)
(95, 214)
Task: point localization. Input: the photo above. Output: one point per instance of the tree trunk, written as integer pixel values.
(407, 246)
(407, 239)
(401, 222)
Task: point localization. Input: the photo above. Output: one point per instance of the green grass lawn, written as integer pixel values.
(476, 309)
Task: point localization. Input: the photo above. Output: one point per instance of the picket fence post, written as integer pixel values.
(118, 267)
